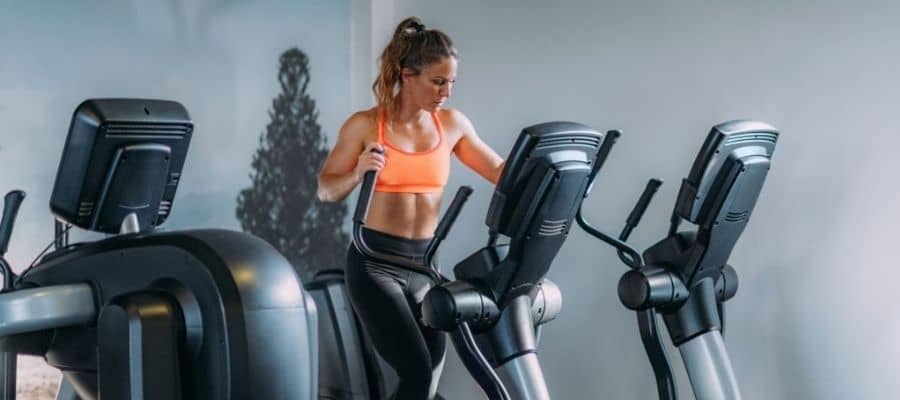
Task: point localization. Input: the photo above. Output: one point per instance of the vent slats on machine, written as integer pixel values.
(164, 207)
(85, 208)
(737, 216)
(592, 141)
(552, 227)
(114, 129)
(751, 137)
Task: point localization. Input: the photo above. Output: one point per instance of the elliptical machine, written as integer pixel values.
(349, 368)
(144, 314)
(500, 298)
(685, 277)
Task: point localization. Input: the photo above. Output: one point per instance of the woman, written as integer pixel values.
(415, 136)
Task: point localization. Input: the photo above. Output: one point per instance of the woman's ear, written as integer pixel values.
(407, 73)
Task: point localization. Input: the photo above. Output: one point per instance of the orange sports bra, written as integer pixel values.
(413, 172)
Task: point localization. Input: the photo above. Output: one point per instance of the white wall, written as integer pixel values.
(813, 318)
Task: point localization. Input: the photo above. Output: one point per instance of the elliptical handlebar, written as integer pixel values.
(634, 218)
(367, 188)
(634, 258)
(447, 221)
(626, 253)
(602, 154)
(641, 206)
(11, 203)
(646, 318)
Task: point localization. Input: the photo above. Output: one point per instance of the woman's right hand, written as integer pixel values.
(371, 159)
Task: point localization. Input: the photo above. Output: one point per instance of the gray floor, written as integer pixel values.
(36, 381)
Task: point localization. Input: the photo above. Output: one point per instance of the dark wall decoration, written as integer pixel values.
(280, 205)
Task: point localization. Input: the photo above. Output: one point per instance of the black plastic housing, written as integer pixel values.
(121, 156)
(243, 314)
(726, 143)
(544, 181)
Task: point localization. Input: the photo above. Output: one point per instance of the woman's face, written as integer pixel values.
(430, 88)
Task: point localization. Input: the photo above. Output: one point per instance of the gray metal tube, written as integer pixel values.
(523, 378)
(65, 391)
(49, 307)
(709, 368)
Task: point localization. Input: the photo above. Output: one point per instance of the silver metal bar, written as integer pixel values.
(130, 224)
(709, 368)
(48, 307)
(65, 390)
(523, 378)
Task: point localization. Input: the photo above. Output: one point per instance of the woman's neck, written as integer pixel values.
(406, 113)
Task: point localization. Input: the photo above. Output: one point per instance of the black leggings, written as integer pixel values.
(386, 298)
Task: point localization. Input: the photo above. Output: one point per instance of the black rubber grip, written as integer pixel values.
(11, 203)
(365, 194)
(365, 197)
(635, 217)
(453, 211)
(603, 153)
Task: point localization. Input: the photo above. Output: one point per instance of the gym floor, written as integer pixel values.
(35, 380)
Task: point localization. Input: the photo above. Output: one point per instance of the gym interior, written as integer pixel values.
(809, 320)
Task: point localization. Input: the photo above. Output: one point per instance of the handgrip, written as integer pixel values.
(608, 141)
(635, 217)
(453, 211)
(447, 222)
(359, 219)
(633, 259)
(11, 203)
(365, 195)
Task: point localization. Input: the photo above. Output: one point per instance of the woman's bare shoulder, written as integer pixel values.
(361, 125)
(451, 115)
(362, 119)
(454, 119)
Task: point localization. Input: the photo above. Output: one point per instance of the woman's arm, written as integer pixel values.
(475, 153)
(349, 159)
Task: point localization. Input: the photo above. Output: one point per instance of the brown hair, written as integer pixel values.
(413, 47)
